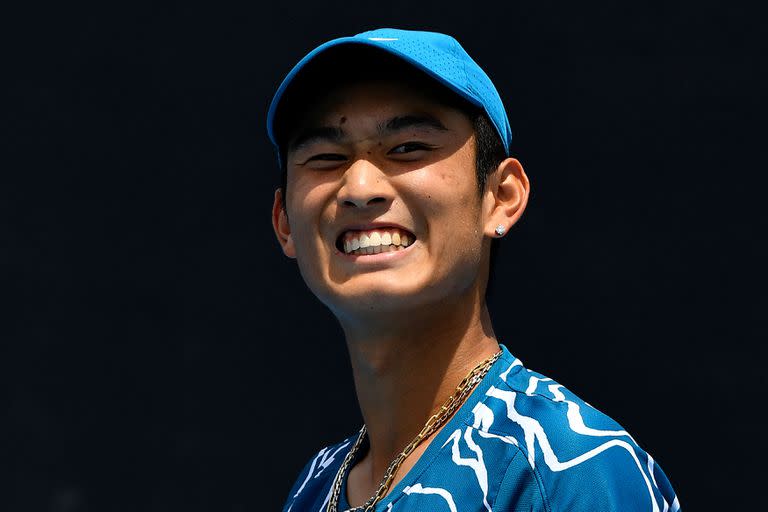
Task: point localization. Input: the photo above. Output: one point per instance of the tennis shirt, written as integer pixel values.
(521, 442)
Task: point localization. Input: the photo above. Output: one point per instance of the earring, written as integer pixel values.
(500, 229)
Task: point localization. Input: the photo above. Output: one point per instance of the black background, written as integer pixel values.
(159, 353)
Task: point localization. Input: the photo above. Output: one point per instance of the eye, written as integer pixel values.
(327, 156)
(325, 161)
(409, 147)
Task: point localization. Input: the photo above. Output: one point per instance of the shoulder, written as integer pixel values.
(311, 487)
(577, 457)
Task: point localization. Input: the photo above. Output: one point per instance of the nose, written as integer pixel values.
(364, 185)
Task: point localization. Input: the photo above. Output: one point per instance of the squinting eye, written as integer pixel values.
(327, 156)
(410, 146)
(323, 161)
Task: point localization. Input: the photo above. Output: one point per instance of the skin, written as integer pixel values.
(414, 324)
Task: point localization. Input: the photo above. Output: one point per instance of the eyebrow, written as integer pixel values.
(399, 123)
(395, 124)
(316, 134)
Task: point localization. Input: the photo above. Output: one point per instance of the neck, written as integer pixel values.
(406, 367)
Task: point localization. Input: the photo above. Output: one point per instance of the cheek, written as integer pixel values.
(460, 216)
(307, 187)
(301, 191)
(449, 191)
(306, 205)
(449, 179)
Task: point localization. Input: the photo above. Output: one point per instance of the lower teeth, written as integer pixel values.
(370, 250)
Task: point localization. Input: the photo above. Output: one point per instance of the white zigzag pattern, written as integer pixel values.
(477, 465)
(576, 421)
(484, 419)
(418, 489)
(309, 473)
(329, 458)
(326, 500)
(533, 431)
(533, 384)
(325, 461)
(504, 374)
(653, 477)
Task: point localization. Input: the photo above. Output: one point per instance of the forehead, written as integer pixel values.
(380, 98)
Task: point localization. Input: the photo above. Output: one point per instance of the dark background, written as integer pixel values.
(157, 351)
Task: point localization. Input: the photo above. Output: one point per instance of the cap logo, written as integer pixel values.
(383, 38)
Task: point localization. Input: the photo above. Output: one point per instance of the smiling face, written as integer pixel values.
(383, 210)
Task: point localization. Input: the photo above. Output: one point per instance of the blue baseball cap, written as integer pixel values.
(438, 55)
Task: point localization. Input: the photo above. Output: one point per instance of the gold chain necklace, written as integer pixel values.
(450, 406)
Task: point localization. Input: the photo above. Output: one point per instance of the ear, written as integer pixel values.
(281, 226)
(506, 197)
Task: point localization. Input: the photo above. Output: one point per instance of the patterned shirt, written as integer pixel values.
(521, 442)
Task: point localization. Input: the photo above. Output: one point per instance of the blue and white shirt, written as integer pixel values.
(521, 442)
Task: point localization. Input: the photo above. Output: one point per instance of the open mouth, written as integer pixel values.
(374, 241)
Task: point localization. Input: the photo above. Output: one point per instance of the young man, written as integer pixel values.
(397, 183)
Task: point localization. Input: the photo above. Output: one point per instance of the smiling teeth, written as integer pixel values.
(376, 241)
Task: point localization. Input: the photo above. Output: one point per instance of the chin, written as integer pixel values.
(356, 297)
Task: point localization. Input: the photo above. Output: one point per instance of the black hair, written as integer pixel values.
(359, 63)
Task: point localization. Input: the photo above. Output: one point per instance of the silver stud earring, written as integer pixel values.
(500, 229)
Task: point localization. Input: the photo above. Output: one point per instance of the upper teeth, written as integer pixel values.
(369, 242)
